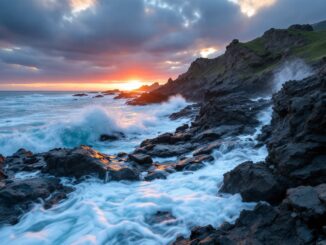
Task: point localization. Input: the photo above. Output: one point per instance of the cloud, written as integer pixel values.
(106, 40)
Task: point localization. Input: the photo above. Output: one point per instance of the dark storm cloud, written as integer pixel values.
(111, 36)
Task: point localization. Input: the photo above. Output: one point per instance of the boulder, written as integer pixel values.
(17, 197)
(193, 163)
(263, 225)
(255, 182)
(85, 161)
(140, 158)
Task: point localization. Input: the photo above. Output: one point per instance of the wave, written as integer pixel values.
(88, 125)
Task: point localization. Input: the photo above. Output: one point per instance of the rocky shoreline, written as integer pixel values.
(289, 186)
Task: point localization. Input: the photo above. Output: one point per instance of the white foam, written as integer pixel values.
(116, 212)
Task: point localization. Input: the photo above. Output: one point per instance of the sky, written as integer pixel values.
(104, 44)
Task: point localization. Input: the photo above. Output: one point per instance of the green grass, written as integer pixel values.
(315, 49)
(256, 45)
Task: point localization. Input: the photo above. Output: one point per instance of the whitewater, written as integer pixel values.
(116, 212)
(122, 212)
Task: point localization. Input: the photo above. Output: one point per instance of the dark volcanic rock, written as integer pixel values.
(255, 182)
(296, 138)
(149, 98)
(190, 111)
(17, 197)
(140, 158)
(84, 161)
(193, 163)
(80, 95)
(264, 225)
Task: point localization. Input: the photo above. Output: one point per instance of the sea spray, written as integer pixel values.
(291, 70)
(66, 122)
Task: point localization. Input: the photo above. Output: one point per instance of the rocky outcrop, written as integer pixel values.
(299, 219)
(19, 196)
(84, 161)
(292, 178)
(149, 98)
(255, 182)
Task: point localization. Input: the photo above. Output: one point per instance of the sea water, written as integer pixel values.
(116, 212)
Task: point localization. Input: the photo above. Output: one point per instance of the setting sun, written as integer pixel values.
(130, 85)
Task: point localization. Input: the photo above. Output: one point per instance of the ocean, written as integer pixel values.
(116, 212)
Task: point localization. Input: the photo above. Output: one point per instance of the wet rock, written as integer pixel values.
(98, 96)
(149, 98)
(207, 149)
(255, 182)
(182, 128)
(76, 162)
(193, 163)
(17, 197)
(160, 217)
(140, 158)
(169, 150)
(308, 200)
(296, 137)
(155, 175)
(190, 111)
(263, 225)
(23, 160)
(85, 161)
(80, 95)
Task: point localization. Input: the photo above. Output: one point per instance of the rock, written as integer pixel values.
(98, 96)
(76, 162)
(140, 158)
(17, 197)
(308, 201)
(182, 128)
(263, 225)
(149, 88)
(255, 182)
(155, 175)
(207, 149)
(160, 217)
(190, 111)
(149, 98)
(23, 160)
(169, 150)
(112, 137)
(193, 163)
(80, 95)
(296, 137)
(85, 161)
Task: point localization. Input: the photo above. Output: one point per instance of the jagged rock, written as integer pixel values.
(182, 128)
(296, 136)
(17, 197)
(263, 225)
(149, 98)
(193, 163)
(23, 160)
(309, 201)
(84, 161)
(255, 182)
(190, 111)
(140, 158)
(155, 175)
(80, 95)
(207, 149)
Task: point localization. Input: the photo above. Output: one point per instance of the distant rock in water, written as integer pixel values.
(98, 96)
(149, 98)
(80, 95)
(111, 92)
